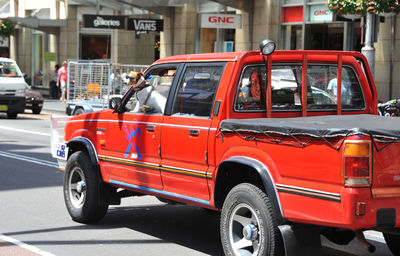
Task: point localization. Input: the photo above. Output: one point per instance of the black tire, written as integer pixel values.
(393, 242)
(36, 110)
(12, 115)
(82, 188)
(68, 110)
(78, 111)
(248, 225)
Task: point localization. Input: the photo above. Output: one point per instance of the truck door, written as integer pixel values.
(131, 154)
(185, 132)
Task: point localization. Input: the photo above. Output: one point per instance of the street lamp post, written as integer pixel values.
(368, 50)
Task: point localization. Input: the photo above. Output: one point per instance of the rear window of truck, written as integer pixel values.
(287, 85)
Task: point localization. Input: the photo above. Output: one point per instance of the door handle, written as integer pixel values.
(194, 132)
(150, 128)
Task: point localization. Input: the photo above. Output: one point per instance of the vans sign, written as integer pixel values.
(104, 21)
(147, 25)
(230, 21)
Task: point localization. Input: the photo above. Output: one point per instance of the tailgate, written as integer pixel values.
(386, 170)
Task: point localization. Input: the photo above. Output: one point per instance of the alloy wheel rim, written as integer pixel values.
(77, 187)
(244, 236)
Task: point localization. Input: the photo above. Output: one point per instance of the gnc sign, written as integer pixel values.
(320, 13)
(221, 21)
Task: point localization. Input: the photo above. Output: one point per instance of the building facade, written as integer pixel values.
(51, 31)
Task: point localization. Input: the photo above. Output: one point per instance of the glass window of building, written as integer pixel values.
(95, 47)
(310, 25)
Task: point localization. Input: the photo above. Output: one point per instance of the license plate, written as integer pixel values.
(3, 107)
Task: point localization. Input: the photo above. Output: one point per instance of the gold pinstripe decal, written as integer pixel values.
(156, 167)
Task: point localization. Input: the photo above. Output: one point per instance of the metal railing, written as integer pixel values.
(96, 80)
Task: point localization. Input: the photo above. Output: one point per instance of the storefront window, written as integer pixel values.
(5, 47)
(209, 40)
(319, 29)
(324, 37)
(294, 37)
(95, 47)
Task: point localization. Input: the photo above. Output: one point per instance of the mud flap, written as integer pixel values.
(301, 240)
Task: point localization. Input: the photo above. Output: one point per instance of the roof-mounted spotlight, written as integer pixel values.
(267, 47)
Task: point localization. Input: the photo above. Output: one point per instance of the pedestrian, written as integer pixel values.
(116, 79)
(55, 91)
(62, 80)
(346, 89)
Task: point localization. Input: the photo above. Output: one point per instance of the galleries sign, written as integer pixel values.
(104, 21)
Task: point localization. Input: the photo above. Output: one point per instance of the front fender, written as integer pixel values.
(78, 143)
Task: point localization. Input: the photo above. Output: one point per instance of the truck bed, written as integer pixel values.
(377, 127)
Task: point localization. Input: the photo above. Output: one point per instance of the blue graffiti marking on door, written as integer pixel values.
(131, 135)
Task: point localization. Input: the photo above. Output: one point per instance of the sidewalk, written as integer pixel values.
(54, 106)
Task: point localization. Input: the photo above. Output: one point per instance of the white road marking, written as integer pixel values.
(25, 246)
(29, 159)
(24, 131)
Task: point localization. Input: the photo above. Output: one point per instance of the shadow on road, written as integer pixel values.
(188, 226)
(185, 225)
(23, 168)
(25, 116)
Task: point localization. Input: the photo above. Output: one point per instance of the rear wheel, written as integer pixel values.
(248, 224)
(12, 115)
(36, 110)
(393, 242)
(82, 188)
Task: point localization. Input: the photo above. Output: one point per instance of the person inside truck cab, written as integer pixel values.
(251, 94)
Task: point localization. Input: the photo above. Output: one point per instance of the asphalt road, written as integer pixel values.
(34, 220)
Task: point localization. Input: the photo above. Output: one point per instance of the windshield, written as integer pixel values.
(9, 69)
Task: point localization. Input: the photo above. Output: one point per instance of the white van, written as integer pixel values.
(12, 88)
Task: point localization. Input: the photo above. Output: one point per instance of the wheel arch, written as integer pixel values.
(86, 107)
(83, 144)
(254, 168)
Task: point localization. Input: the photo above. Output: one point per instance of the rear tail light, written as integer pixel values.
(357, 164)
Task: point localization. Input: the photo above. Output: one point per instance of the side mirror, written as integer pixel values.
(115, 103)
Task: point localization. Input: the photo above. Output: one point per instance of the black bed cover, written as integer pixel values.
(319, 126)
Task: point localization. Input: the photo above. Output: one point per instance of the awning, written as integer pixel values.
(152, 5)
(47, 25)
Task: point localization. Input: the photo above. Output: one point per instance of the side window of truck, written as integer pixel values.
(153, 97)
(251, 94)
(286, 88)
(197, 90)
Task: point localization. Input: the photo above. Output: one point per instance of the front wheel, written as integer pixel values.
(248, 224)
(78, 111)
(393, 242)
(82, 190)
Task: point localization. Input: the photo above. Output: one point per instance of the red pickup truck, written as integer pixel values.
(257, 135)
